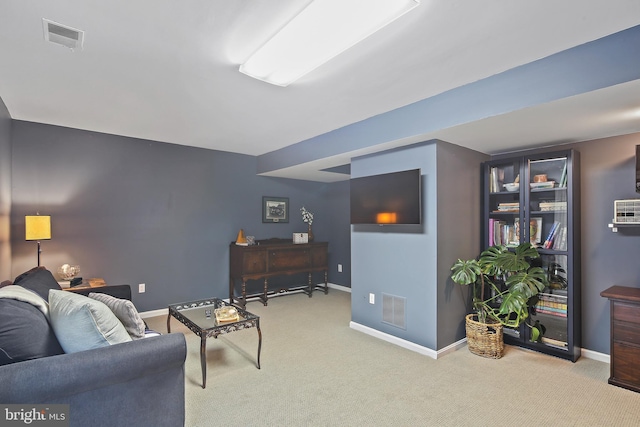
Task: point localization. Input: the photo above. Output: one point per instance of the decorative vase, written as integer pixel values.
(310, 234)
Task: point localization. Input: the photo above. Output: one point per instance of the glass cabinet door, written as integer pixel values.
(549, 231)
(504, 201)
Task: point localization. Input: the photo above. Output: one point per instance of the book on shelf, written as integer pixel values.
(557, 295)
(548, 242)
(563, 177)
(560, 243)
(546, 206)
(554, 342)
(551, 311)
(508, 207)
(491, 240)
(551, 304)
(502, 233)
(493, 181)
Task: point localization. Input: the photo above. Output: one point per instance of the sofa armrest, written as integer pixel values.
(134, 383)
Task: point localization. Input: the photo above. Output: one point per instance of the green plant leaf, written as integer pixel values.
(529, 282)
(514, 302)
(488, 259)
(535, 334)
(517, 260)
(465, 272)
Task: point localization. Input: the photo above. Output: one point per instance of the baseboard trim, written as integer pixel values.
(154, 313)
(594, 355)
(165, 311)
(339, 287)
(394, 340)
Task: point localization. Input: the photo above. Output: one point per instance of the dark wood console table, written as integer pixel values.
(625, 336)
(275, 257)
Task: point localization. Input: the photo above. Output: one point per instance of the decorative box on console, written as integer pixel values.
(300, 238)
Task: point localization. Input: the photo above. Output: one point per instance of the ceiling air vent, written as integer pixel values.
(62, 34)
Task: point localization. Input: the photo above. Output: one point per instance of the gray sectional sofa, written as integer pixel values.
(135, 383)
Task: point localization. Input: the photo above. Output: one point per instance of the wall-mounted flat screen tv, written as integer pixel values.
(391, 198)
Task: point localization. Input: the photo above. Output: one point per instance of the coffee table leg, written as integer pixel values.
(203, 359)
(259, 342)
(169, 323)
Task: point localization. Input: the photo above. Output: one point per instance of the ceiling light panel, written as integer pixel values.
(321, 31)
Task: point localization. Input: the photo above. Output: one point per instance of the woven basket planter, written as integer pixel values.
(484, 339)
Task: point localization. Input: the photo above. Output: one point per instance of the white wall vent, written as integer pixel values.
(393, 310)
(62, 34)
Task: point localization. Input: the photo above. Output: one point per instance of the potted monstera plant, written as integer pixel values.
(505, 285)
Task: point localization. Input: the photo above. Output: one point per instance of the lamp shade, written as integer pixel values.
(241, 240)
(37, 227)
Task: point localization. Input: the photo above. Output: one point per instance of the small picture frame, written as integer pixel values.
(275, 209)
(535, 231)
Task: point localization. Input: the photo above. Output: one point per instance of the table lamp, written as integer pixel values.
(37, 227)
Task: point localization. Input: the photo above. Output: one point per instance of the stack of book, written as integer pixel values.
(554, 305)
(508, 207)
(553, 206)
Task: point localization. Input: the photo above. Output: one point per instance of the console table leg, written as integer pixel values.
(310, 285)
(326, 283)
(264, 292)
(244, 293)
(203, 359)
(259, 341)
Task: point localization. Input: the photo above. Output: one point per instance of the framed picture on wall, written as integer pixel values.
(275, 209)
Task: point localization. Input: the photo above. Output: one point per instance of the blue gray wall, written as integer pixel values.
(459, 205)
(607, 173)
(398, 260)
(413, 262)
(5, 191)
(136, 211)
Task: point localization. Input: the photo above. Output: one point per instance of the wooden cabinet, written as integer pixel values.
(625, 336)
(536, 198)
(275, 257)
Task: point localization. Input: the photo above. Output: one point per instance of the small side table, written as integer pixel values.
(199, 317)
(86, 283)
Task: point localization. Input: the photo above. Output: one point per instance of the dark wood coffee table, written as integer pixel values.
(199, 317)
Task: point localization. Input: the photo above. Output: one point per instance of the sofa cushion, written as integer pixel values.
(81, 323)
(25, 333)
(125, 311)
(39, 280)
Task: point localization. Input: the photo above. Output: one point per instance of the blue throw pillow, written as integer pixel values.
(81, 323)
(25, 333)
(39, 280)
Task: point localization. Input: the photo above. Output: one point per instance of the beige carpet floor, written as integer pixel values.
(316, 371)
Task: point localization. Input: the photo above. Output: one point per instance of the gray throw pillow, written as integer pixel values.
(125, 311)
(82, 323)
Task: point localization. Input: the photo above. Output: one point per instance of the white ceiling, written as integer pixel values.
(168, 71)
